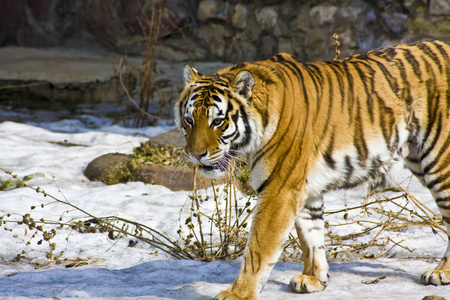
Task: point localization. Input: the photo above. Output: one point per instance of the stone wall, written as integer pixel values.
(232, 31)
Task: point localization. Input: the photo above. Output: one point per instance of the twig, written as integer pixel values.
(134, 102)
(419, 204)
(13, 86)
(158, 239)
(376, 280)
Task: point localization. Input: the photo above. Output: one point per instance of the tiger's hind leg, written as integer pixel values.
(310, 229)
(441, 274)
(432, 168)
(441, 192)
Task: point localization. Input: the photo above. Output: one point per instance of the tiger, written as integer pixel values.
(307, 128)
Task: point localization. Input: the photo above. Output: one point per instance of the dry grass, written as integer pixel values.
(222, 232)
(394, 214)
(143, 91)
(217, 224)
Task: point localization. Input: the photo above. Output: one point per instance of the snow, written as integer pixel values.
(116, 271)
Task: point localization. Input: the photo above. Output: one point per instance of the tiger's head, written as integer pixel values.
(214, 114)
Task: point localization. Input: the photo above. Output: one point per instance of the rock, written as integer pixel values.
(323, 14)
(266, 17)
(172, 52)
(60, 75)
(439, 7)
(397, 23)
(285, 45)
(410, 5)
(350, 13)
(213, 37)
(108, 168)
(11, 18)
(101, 18)
(174, 178)
(422, 26)
(251, 34)
(212, 9)
(346, 40)
(433, 297)
(268, 47)
(172, 138)
(443, 29)
(205, 30)
(114, 168)
(300, 23)
(241, 49)
(239, 19)
(439, 29)
(136, 17)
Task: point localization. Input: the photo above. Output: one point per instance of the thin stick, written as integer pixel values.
(134, 102)
(13, 86)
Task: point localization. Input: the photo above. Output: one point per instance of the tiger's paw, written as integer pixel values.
(227, 295)
(306, 284)
(436, 277)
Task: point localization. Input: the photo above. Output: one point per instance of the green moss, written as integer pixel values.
(10, 184)
(120, 174)
(243, 176)
(145, 153)
(151, 153)
(6, 185)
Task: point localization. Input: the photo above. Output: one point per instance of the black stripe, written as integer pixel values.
(264, 150)
(387, 122)
(438, 180)
(368, 90)
(272, 147)
(238, 66)
(359, 139)
(417, 174)
(247, 130)
(335, 69)
(431, 112)
(217, 98)
(430, 53)
(327, 155)
(446, 220)
(318, 75)
(406, 93)
(348, 167)
(443, 202)
(315, 73)
(433, 141)
(411, 59)
(391, 80)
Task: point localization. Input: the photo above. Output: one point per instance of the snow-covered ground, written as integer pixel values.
(115, 271)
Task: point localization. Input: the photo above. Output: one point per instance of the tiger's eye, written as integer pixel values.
(217, 122)
(189, 121)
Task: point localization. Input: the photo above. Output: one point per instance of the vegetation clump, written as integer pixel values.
(152, 153)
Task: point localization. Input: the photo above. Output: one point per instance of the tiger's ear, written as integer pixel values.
(243, 83)
(190, 74)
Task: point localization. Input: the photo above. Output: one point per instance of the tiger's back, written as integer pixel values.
(359, 112)
(313, 127)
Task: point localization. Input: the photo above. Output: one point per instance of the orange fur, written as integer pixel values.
(308, 128)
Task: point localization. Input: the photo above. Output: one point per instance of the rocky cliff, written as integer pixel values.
(232, 31)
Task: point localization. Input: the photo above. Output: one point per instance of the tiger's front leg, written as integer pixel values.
(310, 229)
(273, 219)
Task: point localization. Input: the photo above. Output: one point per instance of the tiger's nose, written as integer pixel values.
(198, 155)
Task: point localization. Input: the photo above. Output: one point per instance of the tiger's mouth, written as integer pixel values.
(221, 165)
(215, 170)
